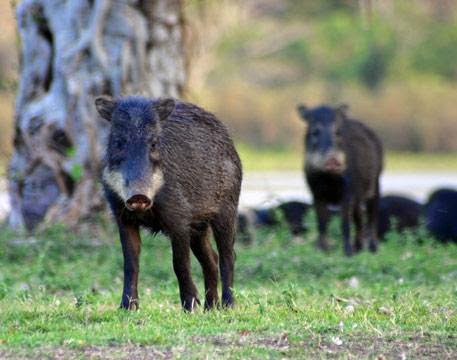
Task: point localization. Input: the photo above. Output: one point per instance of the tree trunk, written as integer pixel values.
(72, 51)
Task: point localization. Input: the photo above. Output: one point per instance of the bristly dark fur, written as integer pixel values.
(441, 215)
(201, 186)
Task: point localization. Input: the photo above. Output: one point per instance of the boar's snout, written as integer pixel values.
(333, 164)
(138, 202)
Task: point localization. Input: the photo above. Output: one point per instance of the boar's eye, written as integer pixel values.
(116, 157)
(338, 133)
(153, 153)
(315, 132)
(118, 144)
(153, 145)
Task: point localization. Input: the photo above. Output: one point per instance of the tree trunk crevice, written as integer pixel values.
(73, 51)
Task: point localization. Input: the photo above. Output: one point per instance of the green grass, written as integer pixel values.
(397, 161)
(276, 159)
(289, 159)
(59, 293)
(269, 159)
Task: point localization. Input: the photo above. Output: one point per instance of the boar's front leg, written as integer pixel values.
(358, 222)
(323, 216)
(372, 212)
(180, 243)
(346, 216)
(224, 233)
(131, 247)
(203, 251)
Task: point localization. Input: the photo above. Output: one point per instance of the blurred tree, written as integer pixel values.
(374, 67)
(436, 52)
(72, 51)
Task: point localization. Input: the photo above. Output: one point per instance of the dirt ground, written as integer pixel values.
(413, 347)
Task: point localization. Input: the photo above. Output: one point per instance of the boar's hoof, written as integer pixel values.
(211, 304)
(129, 303)
(358, 246)
(322, 244)
(190, 303)
(373, 246)
(227, 300)
(348, 251)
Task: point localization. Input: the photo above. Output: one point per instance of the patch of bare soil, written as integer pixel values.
(92, 353)
(412, 347)
(354, 347)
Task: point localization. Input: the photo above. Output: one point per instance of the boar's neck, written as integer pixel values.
(327, 187)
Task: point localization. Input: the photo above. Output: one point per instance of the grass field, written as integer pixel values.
(59, 296)
(287, 159)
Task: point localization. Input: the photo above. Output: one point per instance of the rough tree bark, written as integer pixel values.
(72, 51)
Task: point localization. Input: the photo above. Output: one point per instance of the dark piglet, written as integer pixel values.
(245, 229)
(291, 212)
(172, 167)
(398, 213)
(251, 219)
(441, 215)
(294, 213)
(344, 160)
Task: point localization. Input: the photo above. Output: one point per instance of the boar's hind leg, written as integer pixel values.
(323, 216)
(346, 216)
(131, 247)
(223, 227)
(358, 222)
(201, 247)
(181, 264)
(372, 214)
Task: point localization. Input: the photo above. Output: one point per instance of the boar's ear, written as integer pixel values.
(164, 108)
(342, 110)
(105, 106)
(303, 111)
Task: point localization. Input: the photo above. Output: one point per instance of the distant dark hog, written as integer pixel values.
(344, 160)
(172, 167)
(441, 214)
(292, 213)
(398, 213)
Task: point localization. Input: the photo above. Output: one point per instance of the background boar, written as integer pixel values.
(398, 213)
(441, 214)
(292, 213)
(344, 160)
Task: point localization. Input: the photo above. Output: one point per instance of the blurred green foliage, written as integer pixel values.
(394, 65)
(436, 52)
(338, 44)
(281, 158)
(349, 51)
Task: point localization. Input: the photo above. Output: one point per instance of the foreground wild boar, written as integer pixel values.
(172, 167)
(344, 160)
